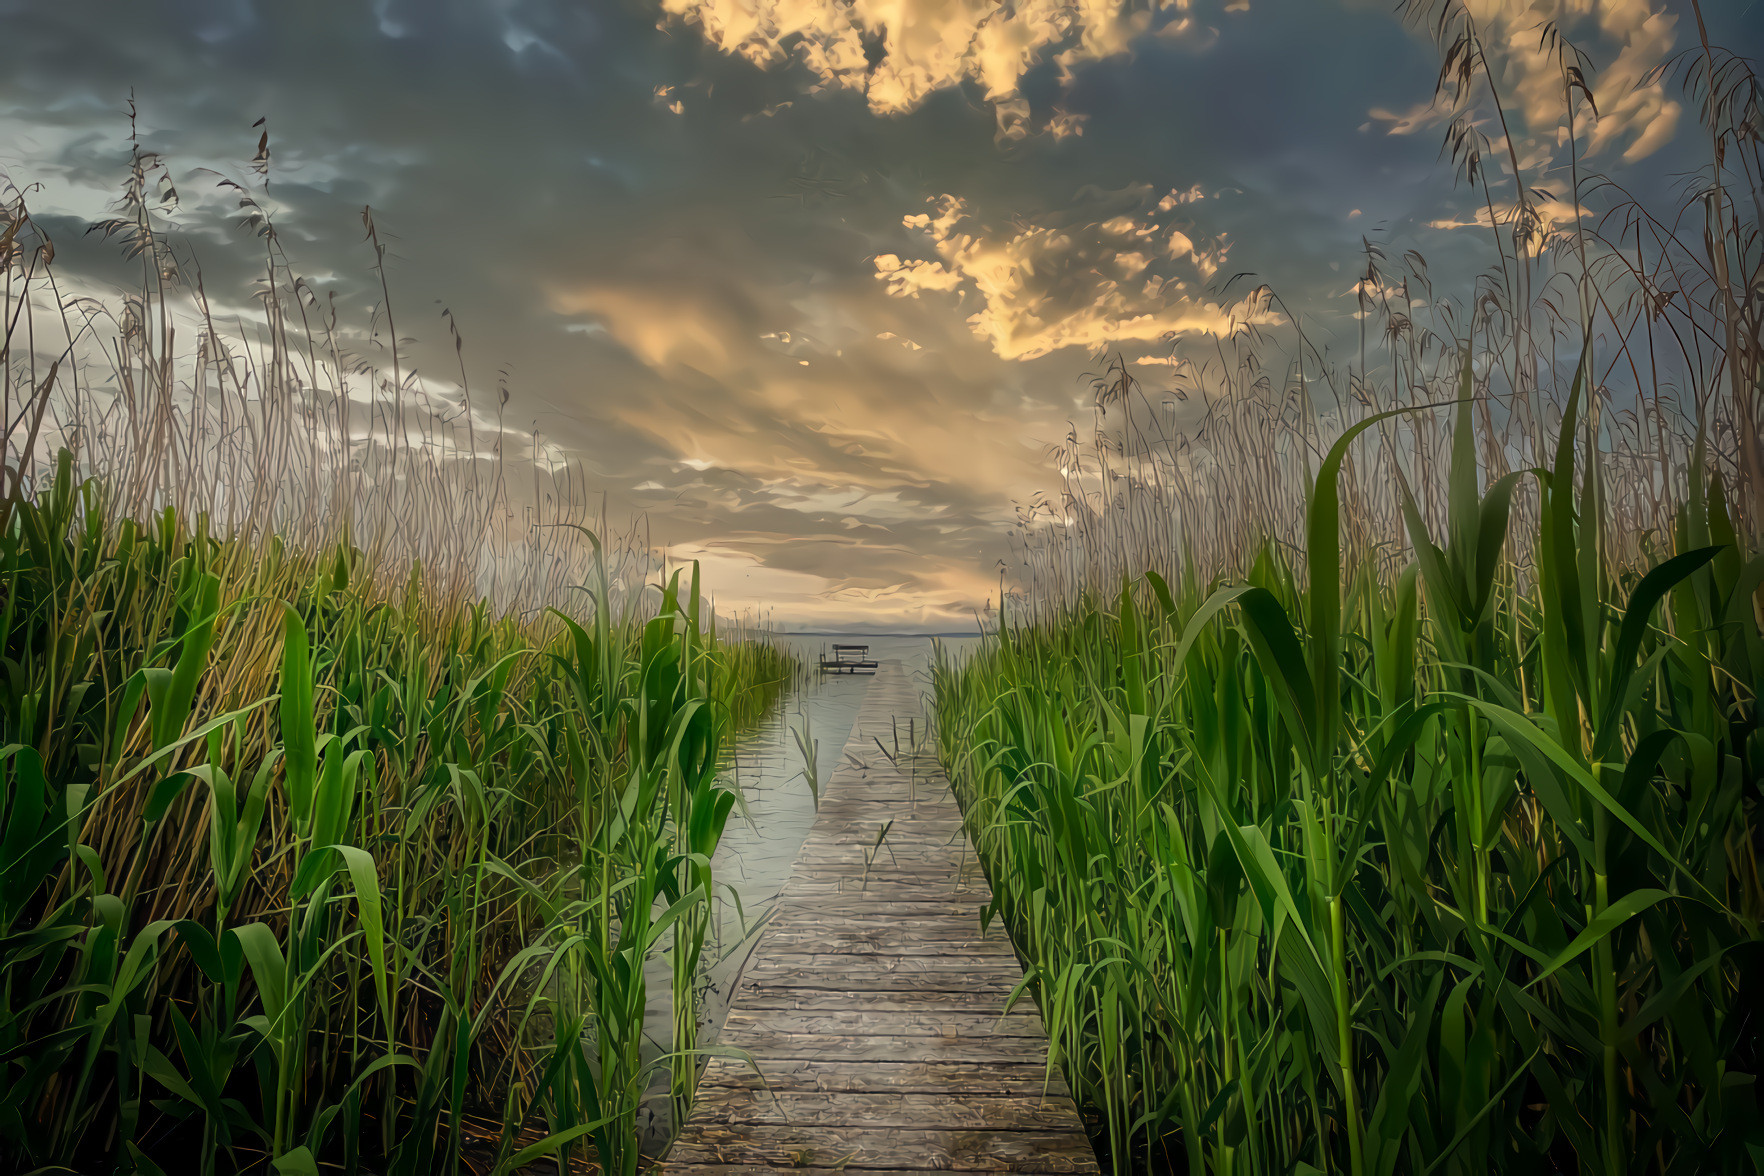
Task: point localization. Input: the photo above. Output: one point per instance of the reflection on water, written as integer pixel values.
(753, 862)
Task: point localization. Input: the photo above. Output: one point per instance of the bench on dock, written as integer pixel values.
(849, 659)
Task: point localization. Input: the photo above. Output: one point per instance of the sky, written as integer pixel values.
(813, 284)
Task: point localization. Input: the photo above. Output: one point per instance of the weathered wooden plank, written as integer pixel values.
(892, 1108)
(910, 840)
(811, 883)
(866, 1148)
(913, 869)
(891, 800)
(856, 974)
(863, 834)
(965, 888)
(902, 961)
(896, 790)
(967, 881)
(895, 940)
(862, 827)
(961, 875)
(951, 917)
(874, 1022)
(879, 904)
(924, 852)
(848, 869)
(923, 856)
(963, 898)
(673, 1169)
(953, 1048)
(988, 1079)
(945, 920)
(955, 999)
(921, 1077)
(922, 868)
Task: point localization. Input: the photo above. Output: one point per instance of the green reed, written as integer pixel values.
(304, 868)
(1366, 758)
(1449, 871)
(343, 794)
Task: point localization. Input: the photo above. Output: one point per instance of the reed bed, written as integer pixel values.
(1369, 768)
(1446, 875)
(345, 797)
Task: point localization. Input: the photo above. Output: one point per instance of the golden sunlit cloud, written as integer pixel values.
(1633, 108)
(660, 326)
(1551, 217)
(1635, 111)
(1116, 267)
(928, 45)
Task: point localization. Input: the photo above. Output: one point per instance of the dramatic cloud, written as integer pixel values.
(898, 52)
(1113, 267)
(1636, 115)
(1634, 111)
(673, 229)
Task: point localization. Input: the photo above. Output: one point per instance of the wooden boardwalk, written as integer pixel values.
(872, 1005)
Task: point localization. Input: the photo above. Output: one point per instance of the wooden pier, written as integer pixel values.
(849, 659)
(873, 1007)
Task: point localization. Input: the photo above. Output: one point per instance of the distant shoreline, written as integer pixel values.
(868, 633)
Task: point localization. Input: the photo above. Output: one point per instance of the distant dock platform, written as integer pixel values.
(849, 659)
